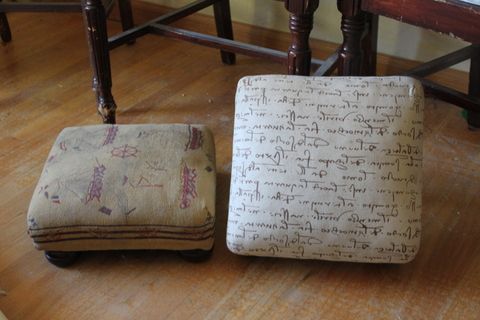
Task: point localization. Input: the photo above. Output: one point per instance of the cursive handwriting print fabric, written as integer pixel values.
(327, 168)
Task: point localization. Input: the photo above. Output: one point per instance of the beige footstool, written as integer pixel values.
(108, 187)
(327, 168)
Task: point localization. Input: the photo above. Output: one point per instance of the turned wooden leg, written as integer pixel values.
(61, 259)
(125, 9)
(5, 32)
(369, 45)
(473, 117)
(223, 22)
(196, 255)
(353, 27)
(96, 28)
(300, 24)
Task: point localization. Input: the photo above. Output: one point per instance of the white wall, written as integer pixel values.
(395, 38)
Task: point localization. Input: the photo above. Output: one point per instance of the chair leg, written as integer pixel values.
(223, 22)
(5, 32)
(301, 24)
(353, 27)
(473, 117)
(369, 45)
(125, 8)
(96, 28)
(5, 28)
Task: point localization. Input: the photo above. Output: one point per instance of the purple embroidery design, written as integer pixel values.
(96, 185)
(111, 133)
(63, 146)
(124, 151)
(105, 210)
(195, 139)
(188, 187)
(145, 183)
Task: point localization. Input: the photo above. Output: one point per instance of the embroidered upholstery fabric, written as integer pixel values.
(126, 187)
(327, 168)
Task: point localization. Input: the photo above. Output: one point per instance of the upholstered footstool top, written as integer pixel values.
(108, 187)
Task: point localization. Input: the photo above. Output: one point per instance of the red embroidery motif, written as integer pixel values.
(96, 185)
(188, 187)
(195, 139)
(111, 134)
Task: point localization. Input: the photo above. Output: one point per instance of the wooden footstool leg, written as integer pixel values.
(223, 22)
(61, 259)
(96, 25)
(473, 117)
(196, 255)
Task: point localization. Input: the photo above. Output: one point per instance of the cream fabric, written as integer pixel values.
(126, 187)
(327, 168)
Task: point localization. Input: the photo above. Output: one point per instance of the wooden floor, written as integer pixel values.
(45, 79)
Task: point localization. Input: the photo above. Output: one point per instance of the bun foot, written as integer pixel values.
(196, 255)
(61, 259)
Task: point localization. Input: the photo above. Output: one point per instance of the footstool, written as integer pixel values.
(327, 168)
(115, 187)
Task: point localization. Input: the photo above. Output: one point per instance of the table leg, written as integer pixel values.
(353, 27)
(473, 117)
(301, 24)
(96, 28)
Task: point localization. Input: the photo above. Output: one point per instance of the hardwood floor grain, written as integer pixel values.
(46, 86)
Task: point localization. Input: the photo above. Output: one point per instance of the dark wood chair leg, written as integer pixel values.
(96, 28)
(353, 27)
(223, 22)
(126, 15)
(5, 32)
(61, 259)
(196, 255)
(300, 24)
(369, 45)
(473, 117)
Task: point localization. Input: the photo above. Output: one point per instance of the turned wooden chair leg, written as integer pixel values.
(473, 117)
(223, 22)
(61, 259)
(353, 27)
(5, 32)
(300, 24)
(126, 15)
(369, 45)
(96, 28)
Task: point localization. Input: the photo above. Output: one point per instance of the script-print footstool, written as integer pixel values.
(327, 168)
(108, 187)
